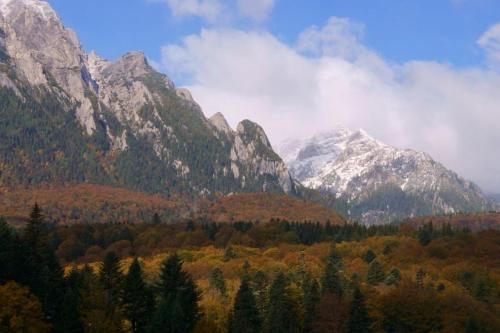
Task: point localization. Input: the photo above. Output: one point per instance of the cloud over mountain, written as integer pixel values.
(330, 76)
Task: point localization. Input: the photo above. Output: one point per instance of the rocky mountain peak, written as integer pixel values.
(220, 123)
(36, 7)
(366, 172)
(251, 131)
(147, 134)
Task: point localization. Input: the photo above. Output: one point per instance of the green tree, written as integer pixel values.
(178, 310)
(375, 273)
(45, 275)
(369, 256)
(330, 281)
(111, 276)
(245, 316)
(137, 299)
(425, 234)
(156, 220)
(358, 321)
(311, 299)
(97, 307)
(393, 277)
(282, 315)
(217, 281)
(260, 288)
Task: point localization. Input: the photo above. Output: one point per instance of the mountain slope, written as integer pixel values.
(263, 207)
(379, 182)
(69, 116)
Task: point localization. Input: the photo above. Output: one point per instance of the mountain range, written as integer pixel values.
(69, 116)
(378, 182)
(72, 116)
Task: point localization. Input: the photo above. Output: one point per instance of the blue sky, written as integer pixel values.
(400, 30)
(419, 74)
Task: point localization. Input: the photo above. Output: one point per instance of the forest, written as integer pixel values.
(198, 275)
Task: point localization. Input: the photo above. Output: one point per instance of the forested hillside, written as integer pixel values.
(281, 276)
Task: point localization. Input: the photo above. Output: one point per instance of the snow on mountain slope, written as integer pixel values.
(376, 179)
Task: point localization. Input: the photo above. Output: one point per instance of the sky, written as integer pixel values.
(420, 74)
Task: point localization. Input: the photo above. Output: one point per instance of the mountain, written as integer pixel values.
(378, 182)
(68, 116)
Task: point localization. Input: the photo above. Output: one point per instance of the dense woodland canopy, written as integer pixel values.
(282, 276)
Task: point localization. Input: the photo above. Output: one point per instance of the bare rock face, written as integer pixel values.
(43, 52)
(141, 125)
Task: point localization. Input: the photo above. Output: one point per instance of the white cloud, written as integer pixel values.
(216, 11)
(256, 9)
(453, 114)
(209, 10)
(490, 42)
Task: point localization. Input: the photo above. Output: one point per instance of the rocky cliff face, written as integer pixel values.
(129, 124)
(379, 182)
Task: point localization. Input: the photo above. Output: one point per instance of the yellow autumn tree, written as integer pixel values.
(20, 311)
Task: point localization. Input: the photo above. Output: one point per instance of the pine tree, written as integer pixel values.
(111, 276)
(33, 232)
(178, 310)
(425, 234)
(393, 277)
(137, 300)
(311, 301)
(359, 321)
(156, 219)
(70, 317)
(330, 282)
(260, 286)
(334, 256)
(245, 315)
(375, 273)
(97, 306)
(45, 275)
(282, 316)
(369, 256)
(217, 282)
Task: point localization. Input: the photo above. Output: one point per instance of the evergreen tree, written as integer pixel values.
(70, 317)
(311, 301)
(97, 307)
(330, 282)
(217, 281)
(111, 276)
(334, 256)
(260, 284)
(245, 315)
(282, 316)
(138, 302)
(33, 232)
(369, 256)
(156, 219)
(359, 321)
(393, 277)
(375, 273)
(178, 310)
(425, 234)
(229, 254)
(45, 275)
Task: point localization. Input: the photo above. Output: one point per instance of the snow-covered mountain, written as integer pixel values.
(376, 181)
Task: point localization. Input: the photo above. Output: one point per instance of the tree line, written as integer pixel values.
(36, 295)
